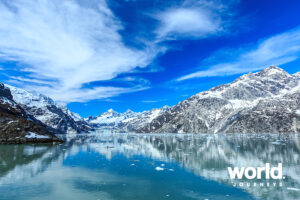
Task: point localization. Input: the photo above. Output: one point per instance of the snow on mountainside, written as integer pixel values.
(267, 101)
(297, 75)
(49, 112)
(143, 119)
(111, 118)
(17, 126)
(128, 121)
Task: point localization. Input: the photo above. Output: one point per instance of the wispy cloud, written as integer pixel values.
(149, 101)
(183, 22)
(153, 101)
(86, 94)
(21, 80)
(192, 19)
(135, 80)
(68, 43)
(62, 45)
(276, 50)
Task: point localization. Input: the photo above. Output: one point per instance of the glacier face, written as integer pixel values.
(264, 102)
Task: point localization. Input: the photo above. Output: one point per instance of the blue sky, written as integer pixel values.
(93, 55)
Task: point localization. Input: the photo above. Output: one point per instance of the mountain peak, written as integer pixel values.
(273, 68)
(110, 110)
(297, 75)
(129, 111)
(271, 71)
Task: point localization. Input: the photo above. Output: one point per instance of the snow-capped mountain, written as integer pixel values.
(49, 112)
(142, 119)
(297, 75)
(111, 119)
(267, 101)
(264, 102)
(17, 126)
(128, 121)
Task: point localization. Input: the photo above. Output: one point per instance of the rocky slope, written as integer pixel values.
(50, 113)
(16, 126)
(264, 102)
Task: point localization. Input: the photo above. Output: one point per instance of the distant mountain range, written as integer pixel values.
(264, 102)
(128, 121)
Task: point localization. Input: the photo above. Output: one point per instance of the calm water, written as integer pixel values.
(147, 167)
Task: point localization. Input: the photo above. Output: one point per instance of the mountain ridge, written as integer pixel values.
(265, 101)
(49, 112)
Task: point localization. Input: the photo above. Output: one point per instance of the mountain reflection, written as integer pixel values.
(210, 155)
(205, 155)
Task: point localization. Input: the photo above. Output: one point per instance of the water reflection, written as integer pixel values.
(206, 156)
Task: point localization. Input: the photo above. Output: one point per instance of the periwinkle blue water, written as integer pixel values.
(103, 166)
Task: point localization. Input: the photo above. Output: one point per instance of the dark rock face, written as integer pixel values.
(16, 126)
(5, 92)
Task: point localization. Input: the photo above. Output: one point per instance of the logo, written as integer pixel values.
(261, 174)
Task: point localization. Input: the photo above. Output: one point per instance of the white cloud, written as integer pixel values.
(69, 44)
(86, 94)
(149, 101)
(135, 80)
(21, 80)
(62, 45)
(277, 50)
(193, 19)
(191, 22)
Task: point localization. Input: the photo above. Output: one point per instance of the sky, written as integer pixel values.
(93, 55)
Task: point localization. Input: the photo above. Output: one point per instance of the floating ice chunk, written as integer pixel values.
(159, 168)
(34, 135)
(293, 189)
(276, 142)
